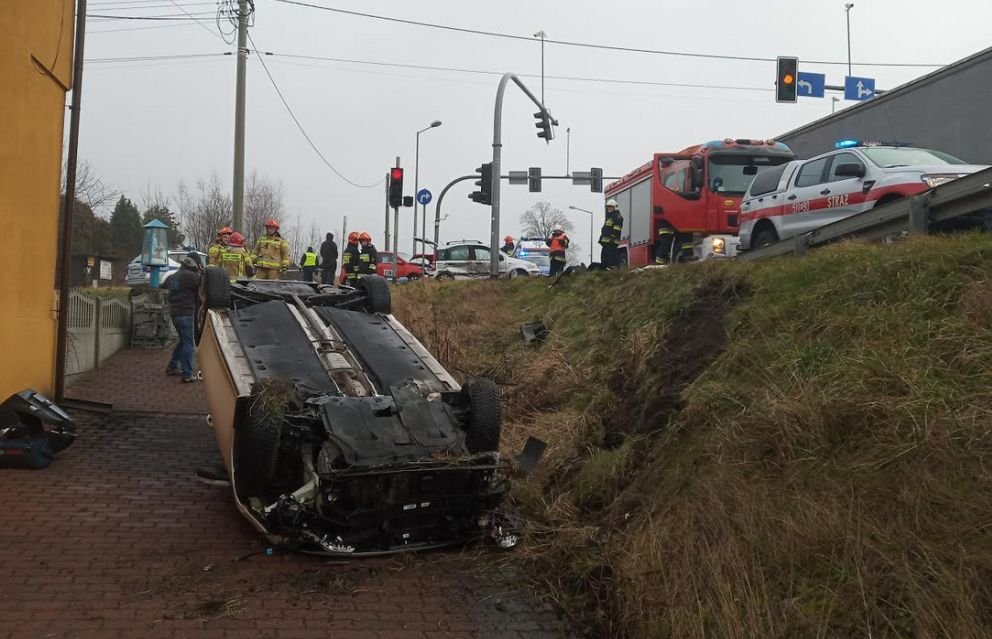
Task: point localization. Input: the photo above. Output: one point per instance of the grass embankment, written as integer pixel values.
(795, 448)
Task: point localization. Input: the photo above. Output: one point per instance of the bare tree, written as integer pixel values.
(153, 198)
(203, 211)
(263, 199)
(90, 189)
(540, 219)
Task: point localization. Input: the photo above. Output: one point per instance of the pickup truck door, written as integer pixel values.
(846, 195)
(803, 197)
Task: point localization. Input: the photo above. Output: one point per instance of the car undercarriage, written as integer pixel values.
(341, 434)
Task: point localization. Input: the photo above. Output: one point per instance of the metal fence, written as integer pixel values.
(97, 328)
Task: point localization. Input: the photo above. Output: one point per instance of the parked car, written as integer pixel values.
(404, 267)
(536, 251)
(340, 432)
(138, 275)
(469, 259)
(802, 195)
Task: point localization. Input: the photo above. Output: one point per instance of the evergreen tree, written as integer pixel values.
(125, 230)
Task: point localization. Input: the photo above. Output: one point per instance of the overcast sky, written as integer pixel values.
(152, 123)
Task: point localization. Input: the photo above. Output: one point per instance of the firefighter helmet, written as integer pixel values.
(271, 222)
(352, 237)
(611, 202)
(365, 237)
(556, 230)
(508, 239)
(237, 239)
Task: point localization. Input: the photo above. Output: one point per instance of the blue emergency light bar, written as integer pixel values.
(847, 144)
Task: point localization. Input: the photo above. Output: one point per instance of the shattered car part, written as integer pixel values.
(340, 432)
(32, 431)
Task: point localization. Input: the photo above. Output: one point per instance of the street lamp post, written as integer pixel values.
(568, 149)
(847, 10)
(542, 35)
(416, 187)
(833, 103)
(591, 214)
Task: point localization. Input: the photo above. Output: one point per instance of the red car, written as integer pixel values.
(385, 268)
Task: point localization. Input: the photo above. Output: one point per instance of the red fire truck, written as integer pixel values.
(696, 192)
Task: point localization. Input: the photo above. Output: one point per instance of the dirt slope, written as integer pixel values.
(798, 448)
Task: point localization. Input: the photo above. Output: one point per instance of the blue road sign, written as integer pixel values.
(811, 85)
(859, 88)
(424, 196)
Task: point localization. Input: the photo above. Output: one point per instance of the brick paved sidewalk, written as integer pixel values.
(134, 380)
(117, 540)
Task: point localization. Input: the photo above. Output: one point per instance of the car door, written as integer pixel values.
(803, 198)
(846, 195)
(385, 267)
(480, 261)
(455, 260)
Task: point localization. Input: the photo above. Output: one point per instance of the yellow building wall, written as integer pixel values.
(35, 73)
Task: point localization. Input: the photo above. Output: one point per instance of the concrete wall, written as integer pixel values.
(948, 110)
(35, 72)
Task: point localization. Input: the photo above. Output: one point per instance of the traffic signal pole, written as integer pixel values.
(396, 232)
(497, 150)
(385, 239)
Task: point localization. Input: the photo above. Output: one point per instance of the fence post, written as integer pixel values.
(97, 322)
(919, 214)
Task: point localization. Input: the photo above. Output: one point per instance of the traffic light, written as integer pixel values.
(787, 79)
(485, 193)
(534, 179)
(544, 123)
(396, 187)
(596, 180)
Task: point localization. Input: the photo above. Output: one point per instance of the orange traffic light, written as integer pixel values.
(785, 79)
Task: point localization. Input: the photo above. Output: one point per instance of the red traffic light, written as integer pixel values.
(396, 173)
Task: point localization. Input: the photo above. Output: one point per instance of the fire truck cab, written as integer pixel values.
(696, 193)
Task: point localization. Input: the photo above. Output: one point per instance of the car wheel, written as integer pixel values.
(482, 431)
(764, 237)
(215, 292)
(518, 273)
(256, 448)
(377, 296)
(444, 276)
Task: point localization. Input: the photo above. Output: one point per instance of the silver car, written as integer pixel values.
(801, 196)
(469, 259)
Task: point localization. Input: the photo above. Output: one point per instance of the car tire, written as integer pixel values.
(378, 298)
(216, 287)
(764, 237)
(444, 276)
(256, 450)
(482, 431)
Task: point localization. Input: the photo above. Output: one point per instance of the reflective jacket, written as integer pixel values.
(609, 235)
(271, 251)
(368, 259)
(237, 262)
(213, 253)
(663, 245)
(351, 262)
(309, 259)
(559, 246)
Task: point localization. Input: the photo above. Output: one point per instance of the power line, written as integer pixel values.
(205, 27)
(174, 16)
(146, 58)
(302, 130)
(188, 23)
(588, 45)
(119, 7)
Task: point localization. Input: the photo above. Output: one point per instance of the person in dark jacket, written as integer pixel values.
(182, 287)
(369, 257)
(609, 236)
(351, 266)
(328, 259)
(558, 243)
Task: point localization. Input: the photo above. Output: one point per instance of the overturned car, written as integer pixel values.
(340, 433)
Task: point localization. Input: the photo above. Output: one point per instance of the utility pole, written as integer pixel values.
(847, 10)
(239, 119)
(396, 233)
(65, 250)
(386, 238)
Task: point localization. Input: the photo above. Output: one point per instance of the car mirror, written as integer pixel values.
(667, 161)
(850, 169)
(697, 179)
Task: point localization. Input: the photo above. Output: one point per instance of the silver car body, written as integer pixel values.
(469, 259)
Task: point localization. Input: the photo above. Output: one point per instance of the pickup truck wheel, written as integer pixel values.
(377, 296)
(482, 431)
(256, 450)
(764, 237)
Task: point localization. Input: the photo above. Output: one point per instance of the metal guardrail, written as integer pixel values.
(914, 214)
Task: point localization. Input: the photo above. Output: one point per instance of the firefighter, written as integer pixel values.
(351, 260)
(271, 253)
(369, 258)
(308, 262)
(609, 236)
(508, 245)
(663, 244)
(687, 251)
(217, 248)
(558, 243)
(235, 258)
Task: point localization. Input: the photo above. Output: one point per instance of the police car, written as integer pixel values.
(534, 250)
(138, 275)
(802, 195)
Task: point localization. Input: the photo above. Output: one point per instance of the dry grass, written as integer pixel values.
(824, 473)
